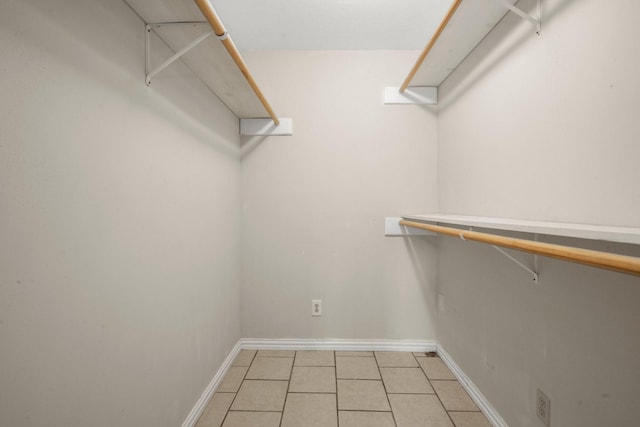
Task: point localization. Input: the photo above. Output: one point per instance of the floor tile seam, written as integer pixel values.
(438, 379)
(335, 371)
(235, 395)
(284, 404)
(437, 395)
(366, 410)
(359, 379)
(384, 386)
(249, 410)
(256, 356)
(244, 377)
(250, 362)
(406, 367)
(464, 394)
(226, 414)
(314, 364)
(394, 366)
(239, 385)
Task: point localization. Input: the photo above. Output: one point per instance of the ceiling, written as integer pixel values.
(330, 24)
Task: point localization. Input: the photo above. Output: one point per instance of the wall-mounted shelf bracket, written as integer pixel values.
(392, 228)
(535, 21)
(607, 260)
(149, 74)
(411, 95)
(533, 272)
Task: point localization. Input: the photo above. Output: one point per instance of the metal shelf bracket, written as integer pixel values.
(149, 74)
(533, 271)
(535, 21)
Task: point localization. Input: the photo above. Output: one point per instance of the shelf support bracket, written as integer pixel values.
(533, 272)
(149, 74)
(524, 15)
(392, 228)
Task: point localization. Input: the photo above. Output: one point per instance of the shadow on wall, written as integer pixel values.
(547, 16)
(249, 143)
(512, 336)
(423, 252)
(114, 58)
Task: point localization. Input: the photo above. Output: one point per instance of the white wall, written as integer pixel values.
(314, 203)
(119, 223)
(545, 127)
(529, 122)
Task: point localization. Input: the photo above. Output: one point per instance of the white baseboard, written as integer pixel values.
(487, 409)
(206, 396)
(338, 345)
(343, 345)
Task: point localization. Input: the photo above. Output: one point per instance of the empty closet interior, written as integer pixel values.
(184, 183)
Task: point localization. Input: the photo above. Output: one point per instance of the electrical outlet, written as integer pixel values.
(316, 307)
(543, 408)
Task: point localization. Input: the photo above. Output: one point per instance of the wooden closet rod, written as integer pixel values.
(609, 261)
(430, 45)
(218, 28)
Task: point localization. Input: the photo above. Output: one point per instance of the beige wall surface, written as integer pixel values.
(119, 223)
(315, 202)
(125, 276)
(545, 127)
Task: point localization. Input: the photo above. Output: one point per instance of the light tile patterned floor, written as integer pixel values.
(340, 389)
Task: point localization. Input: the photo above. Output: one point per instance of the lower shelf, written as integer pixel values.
(580, 231)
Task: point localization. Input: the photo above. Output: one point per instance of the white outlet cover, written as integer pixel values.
(543, 407)
(316, 307)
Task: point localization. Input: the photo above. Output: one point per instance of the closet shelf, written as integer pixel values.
(580, 231)
(182, 23)
(462, 29)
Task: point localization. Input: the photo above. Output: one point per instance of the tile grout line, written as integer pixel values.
(395, 423)
(235, 395)
(436, 391)
(286, 395)
(335, 372)
(416, 358)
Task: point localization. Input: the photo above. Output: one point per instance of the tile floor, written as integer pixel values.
(267, 388)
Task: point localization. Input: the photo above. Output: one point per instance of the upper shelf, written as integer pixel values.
(469, 24)
(209, 60)
(581, 231)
